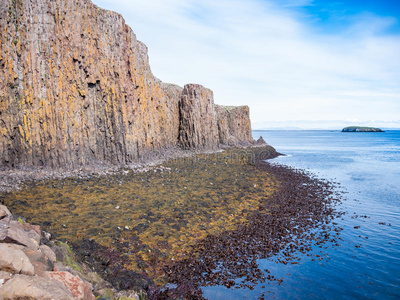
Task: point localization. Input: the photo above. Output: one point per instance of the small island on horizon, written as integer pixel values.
(361, 129)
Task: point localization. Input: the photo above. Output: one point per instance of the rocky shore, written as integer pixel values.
(294, 216)
(32, 266)
(297, 218)
(14, 178)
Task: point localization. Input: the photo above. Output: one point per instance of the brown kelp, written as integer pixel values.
(194, 221)
(296, 218)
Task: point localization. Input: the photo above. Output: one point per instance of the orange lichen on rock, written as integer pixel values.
(77, 88)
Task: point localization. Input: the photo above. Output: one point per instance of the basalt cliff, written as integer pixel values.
(76, 88)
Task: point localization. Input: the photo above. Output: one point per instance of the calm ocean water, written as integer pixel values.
(366, 264)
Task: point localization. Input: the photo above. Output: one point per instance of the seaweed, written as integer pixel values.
(191, 222)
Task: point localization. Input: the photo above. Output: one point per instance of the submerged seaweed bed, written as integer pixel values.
(187, 223)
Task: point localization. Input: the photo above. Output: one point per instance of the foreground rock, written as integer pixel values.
(14, 232)
(32, 288)
(80, 289)
(13, 260)
(28, 268)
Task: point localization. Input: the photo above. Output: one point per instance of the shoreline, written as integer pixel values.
(294, 182)
(14, 178)
(278, 231)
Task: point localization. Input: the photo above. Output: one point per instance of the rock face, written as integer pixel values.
(76, 88)
(198, 119)
(234, 126)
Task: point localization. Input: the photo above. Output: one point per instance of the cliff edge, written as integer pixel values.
(76, 88)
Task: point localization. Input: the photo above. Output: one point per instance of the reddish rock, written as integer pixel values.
(14, 260)
(80, 289)
(39, 260)
(48, 252)
(34, 231)
(4, 212)
(13, 232)
(4, 277)
(34, 288)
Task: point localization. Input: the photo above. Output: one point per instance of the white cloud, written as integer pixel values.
(266, 56)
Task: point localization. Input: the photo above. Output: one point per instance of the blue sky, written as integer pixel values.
(337, 15)
(296, 63)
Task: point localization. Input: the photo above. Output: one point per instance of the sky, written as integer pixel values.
(310, 64)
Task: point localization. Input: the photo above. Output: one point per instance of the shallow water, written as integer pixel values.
(366, 264)
(151, 217)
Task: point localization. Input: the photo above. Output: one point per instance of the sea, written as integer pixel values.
(366, 263)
